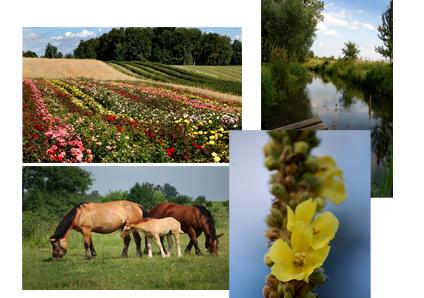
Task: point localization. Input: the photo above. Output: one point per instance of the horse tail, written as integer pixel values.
(145, 211)
(66, 222)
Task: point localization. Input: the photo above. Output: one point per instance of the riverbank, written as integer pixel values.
(375, 77)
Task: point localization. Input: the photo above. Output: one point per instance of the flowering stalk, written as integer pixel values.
(299, 231)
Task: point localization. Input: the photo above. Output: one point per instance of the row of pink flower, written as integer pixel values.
(177, 97)
(65, 144)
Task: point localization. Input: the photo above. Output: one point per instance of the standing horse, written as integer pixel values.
(194, 220)
(154, 228)
(103, 218)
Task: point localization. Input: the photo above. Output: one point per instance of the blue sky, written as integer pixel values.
(211, 181)
(356, 21)
(68, 38)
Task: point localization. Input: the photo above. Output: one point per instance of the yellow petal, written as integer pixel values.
(280, 252)
(327, 168)
(287, 273)
(291, 219)
(316, 257)
(301, 239)
(333, 190)
(324, 227)
(306, 211)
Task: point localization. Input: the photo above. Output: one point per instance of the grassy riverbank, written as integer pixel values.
(373, 76)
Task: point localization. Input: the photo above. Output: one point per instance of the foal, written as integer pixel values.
(154, 228)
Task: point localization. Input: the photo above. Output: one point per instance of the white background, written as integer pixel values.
(397, 224)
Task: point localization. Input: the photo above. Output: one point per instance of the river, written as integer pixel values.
(340, 106)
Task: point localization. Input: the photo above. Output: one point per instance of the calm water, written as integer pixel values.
(340, 106)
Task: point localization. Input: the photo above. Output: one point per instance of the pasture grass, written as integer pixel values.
(110, 271)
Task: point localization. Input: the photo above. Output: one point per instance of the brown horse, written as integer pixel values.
(103, 218)
(194, 220)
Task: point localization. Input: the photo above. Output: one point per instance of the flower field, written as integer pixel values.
(107, 121)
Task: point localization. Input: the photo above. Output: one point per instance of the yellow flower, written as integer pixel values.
(298, 261)
(212, 138)
(210, 121)
(211, 142)
(217, 159)
(200, 132)
(331, 177)
(322, 229)
(214, 154)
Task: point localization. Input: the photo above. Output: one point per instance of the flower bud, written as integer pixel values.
(268, 261)
(271, 163)
(278, 190)
(287, 141)
(310, 164)
(313, 182)
(277, 134)
(270, 221)
(277, 215)
(301, 148)
(280, 289)
(267, 149)
(318, 277)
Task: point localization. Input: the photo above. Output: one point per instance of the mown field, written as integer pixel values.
(230, 72)
(110, 271)
(225, 79)
(105, 121)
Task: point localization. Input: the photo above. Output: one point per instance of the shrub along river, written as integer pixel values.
(341, 106)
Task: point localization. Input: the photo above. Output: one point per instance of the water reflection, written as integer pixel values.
(340, 106)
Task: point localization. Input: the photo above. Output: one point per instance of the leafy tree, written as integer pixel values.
(54, 188)
(52, 52)
(146, 194)
(385, 33)
(87, 49)
(291, 25)
(115, 195)
(236, 58)
(200, 200)
(183, 200)
(69, 56)
(169, 191)
(29, 54)
(350, 51)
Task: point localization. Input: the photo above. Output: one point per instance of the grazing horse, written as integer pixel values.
(103, 218)
(154, 228)
(194, 220)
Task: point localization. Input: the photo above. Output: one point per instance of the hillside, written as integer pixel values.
(70, 68)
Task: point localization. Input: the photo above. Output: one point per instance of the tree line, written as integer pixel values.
(54, 190)
(167, 45)
(289, 26)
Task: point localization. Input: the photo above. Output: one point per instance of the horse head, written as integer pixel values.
(212, 244)
(59, 248)
(127, 229)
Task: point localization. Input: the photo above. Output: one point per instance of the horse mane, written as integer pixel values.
(145, 211)
(66, 222)
(209, 219)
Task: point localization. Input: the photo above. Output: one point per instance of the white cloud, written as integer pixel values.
(75, 35)
(344, 19)
(331, 32)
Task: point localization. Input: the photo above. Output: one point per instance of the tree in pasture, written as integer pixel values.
(385, 33)
(29, 54)
(290, 25)
(115, 195)
(54, 188)
(52, 52)
(350, 51)
(169, 191)
(146, 194)
(183, 200)
(236, 58)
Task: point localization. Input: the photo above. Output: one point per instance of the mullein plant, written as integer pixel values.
(299, 230)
